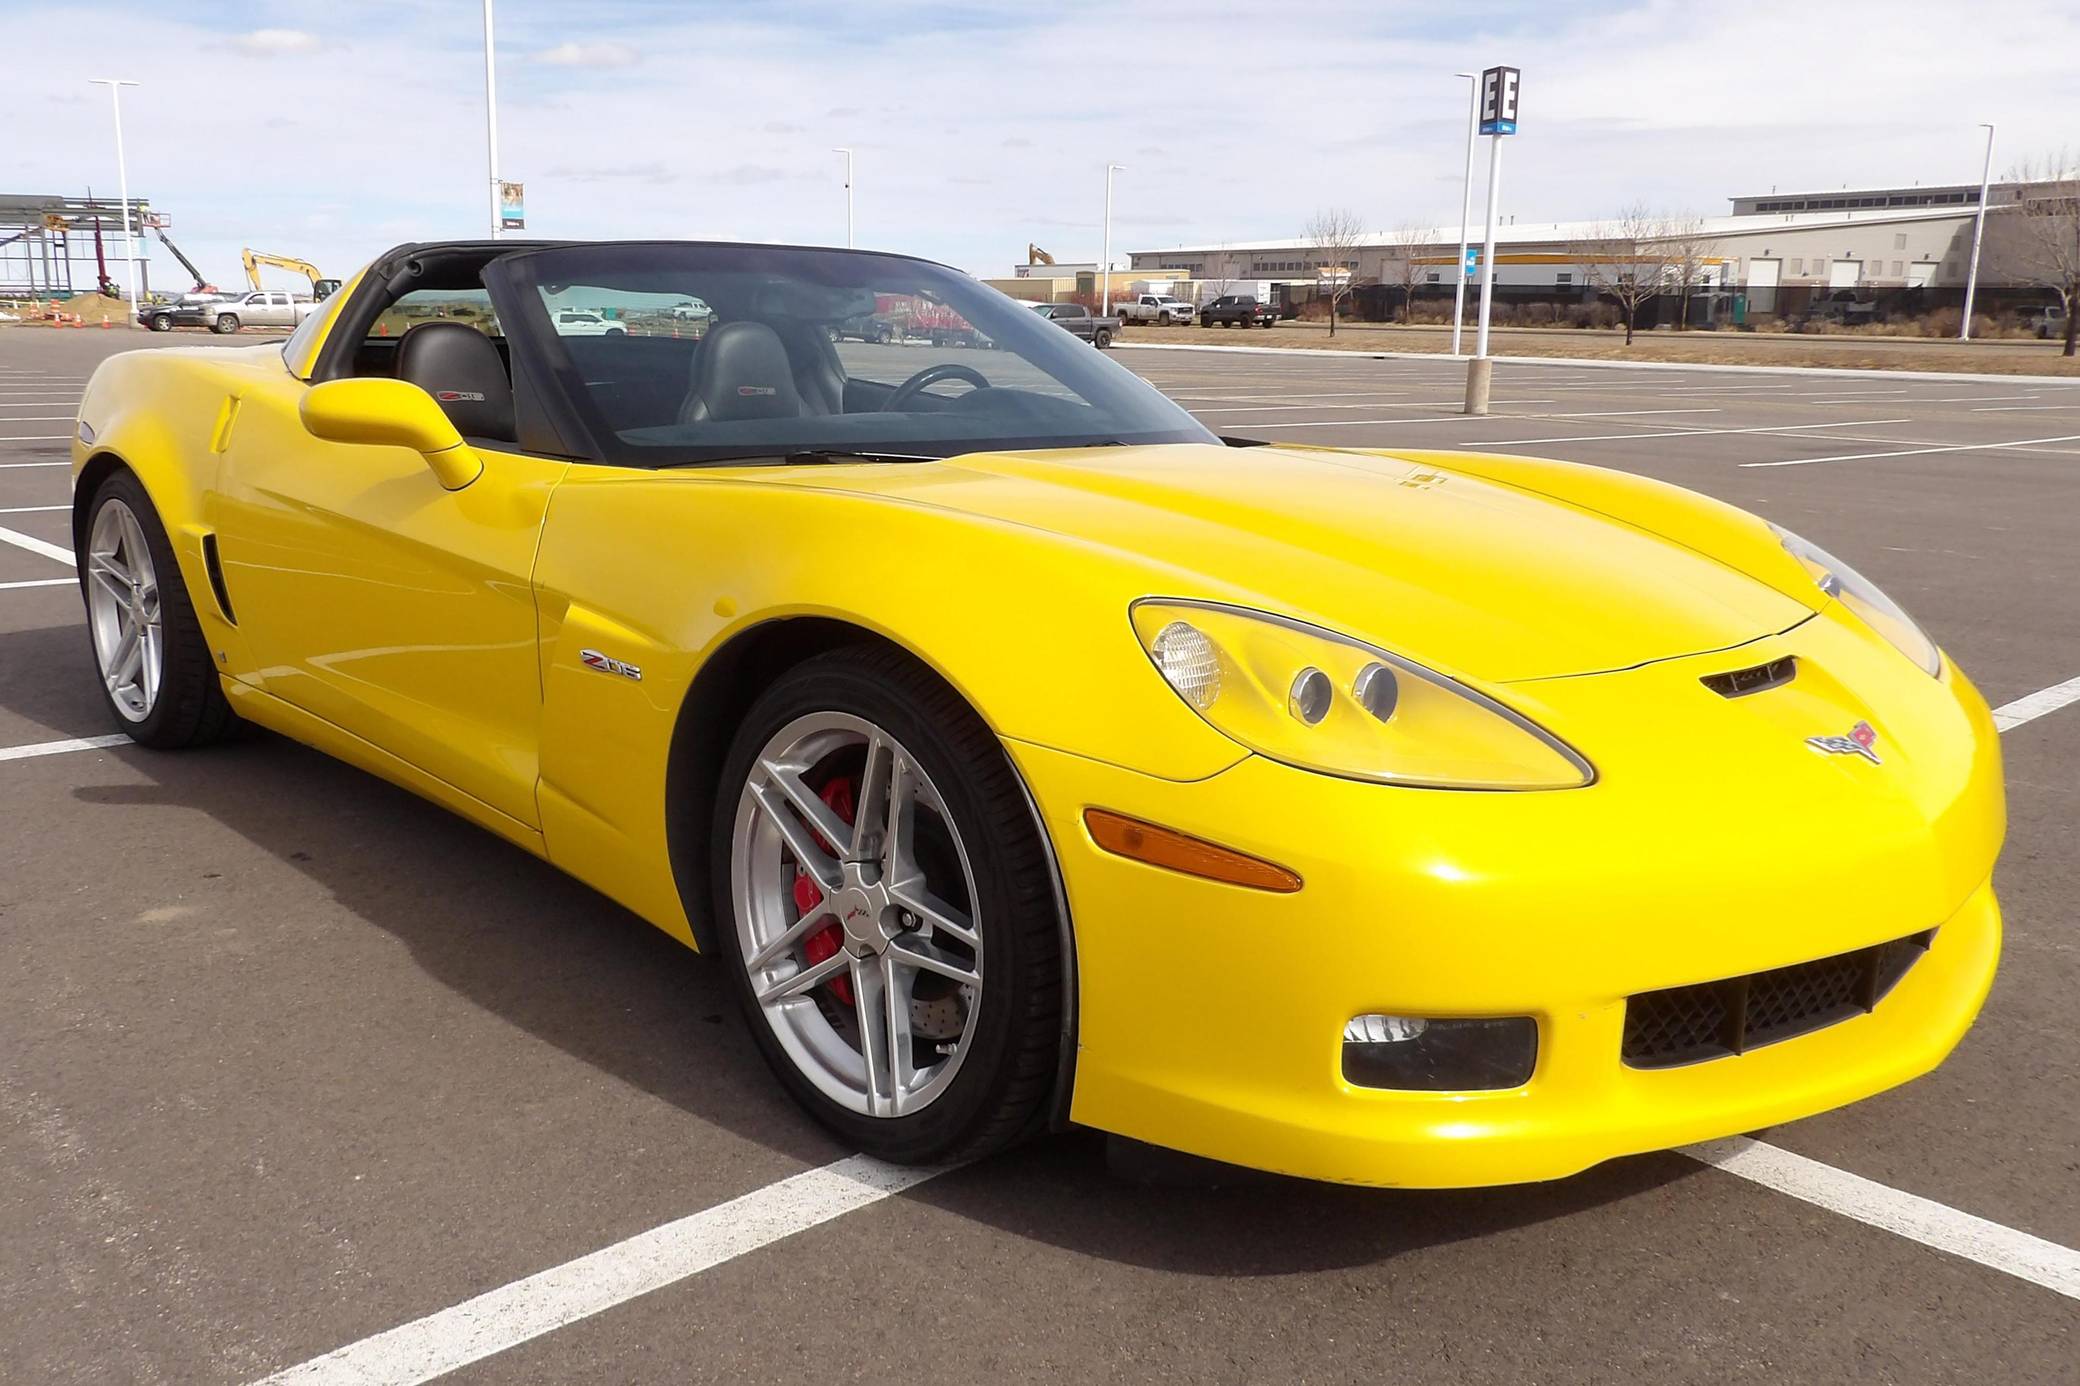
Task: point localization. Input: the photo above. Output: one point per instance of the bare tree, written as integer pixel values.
(2038, 241)
(1628, 259)
(1405, 246)
(1337, 233)
(1691, 252)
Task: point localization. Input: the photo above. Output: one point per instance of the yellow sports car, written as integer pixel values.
(1028, 755)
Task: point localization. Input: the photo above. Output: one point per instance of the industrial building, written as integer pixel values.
(54, 246)
(1775, 252)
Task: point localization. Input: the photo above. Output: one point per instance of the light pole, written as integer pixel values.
(848, 195)
(491, 122)
(1473, 111)
(1971, 279)
(115, 87)
(1499, 91)
(1105, 263)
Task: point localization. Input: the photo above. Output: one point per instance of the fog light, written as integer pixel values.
(1418, 1055)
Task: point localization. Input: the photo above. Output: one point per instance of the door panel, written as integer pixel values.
(372, 598)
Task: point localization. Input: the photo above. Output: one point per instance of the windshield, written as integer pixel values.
(805, 351)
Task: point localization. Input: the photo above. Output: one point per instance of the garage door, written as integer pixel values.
(1921, 274)
(1762, 285)
(1844, 274)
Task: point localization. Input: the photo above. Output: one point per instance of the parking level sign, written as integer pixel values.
(1473, 261)
(1499, 87)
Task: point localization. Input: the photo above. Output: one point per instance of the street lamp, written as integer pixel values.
(1105, 265)
(1473, 110)
(115, 87)
(848, 195)
(1971, 280)
(491, 123)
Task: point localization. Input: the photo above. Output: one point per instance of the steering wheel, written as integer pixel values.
(930, 376)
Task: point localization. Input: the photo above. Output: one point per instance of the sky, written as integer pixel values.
(331, 131)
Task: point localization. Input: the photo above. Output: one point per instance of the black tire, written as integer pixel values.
(225, 324)
(161, 323)
(1000, 1093)
(191, 709)
(1101, 338)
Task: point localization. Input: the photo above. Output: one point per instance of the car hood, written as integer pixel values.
(1472, 576)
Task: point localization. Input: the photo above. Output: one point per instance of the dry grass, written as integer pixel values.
(1845, 351)
(92, 309)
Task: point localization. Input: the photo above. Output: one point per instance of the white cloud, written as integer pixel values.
(270, 43)
(588, 55)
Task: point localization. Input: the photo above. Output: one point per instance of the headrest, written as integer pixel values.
(461, 368)
(741, 372)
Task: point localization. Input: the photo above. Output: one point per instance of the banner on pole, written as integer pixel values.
(512, 206)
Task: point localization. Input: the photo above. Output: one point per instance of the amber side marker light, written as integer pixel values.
(1175, 851)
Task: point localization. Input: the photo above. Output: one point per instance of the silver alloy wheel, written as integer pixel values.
(123, 611)
(910, 957)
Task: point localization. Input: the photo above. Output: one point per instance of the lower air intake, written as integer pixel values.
(1711, 1020)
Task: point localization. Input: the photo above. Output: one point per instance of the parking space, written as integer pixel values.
(295, 1059)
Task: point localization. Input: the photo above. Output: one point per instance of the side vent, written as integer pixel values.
(215, 565)
(1741, 682)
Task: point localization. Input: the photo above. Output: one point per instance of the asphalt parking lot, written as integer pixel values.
(293, 1059)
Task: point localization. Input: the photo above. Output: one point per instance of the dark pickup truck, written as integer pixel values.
(1237, 310)
(1074, 317)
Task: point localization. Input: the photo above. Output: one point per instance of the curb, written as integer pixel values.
(1838, 372)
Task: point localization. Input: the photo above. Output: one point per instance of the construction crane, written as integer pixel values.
(1036, 256)
(202, 286)
(321, 287)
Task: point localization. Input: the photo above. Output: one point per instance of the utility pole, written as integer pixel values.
(1498, 112)
(1473, 108)
(1105, 264)
(1971, 280)
(491, 122)
(848, 195)
(115, 87)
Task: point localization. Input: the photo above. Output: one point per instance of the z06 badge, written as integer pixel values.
(607, 664)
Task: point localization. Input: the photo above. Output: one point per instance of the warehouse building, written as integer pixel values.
(1776, 253)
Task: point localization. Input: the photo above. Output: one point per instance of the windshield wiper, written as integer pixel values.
(805, 457)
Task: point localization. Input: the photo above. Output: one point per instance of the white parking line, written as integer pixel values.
(2021, 408)
(35, 545)
(40, 582)
(512, 1314)
(35, 438)
(31, 509)
(1689, 432)
(2008, 716)
(1916, 452)
(59, 748)
(1909, 1215)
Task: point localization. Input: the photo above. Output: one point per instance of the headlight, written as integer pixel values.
(1322, 701)
(1857, 592)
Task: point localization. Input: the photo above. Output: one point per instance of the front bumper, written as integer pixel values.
(1210, 1016)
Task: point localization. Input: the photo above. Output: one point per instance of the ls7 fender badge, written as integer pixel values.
(1859, 742)
(607, 664)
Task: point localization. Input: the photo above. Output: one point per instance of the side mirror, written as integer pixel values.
(390, 413)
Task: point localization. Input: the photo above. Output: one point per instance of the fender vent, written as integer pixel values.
(1739, 683)
(215, 565)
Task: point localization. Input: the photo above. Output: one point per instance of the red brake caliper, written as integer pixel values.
(808, 896)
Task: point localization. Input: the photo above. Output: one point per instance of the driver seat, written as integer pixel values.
(741, 371)
(461, 368)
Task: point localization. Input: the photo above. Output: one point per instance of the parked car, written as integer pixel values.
(1074, 317)
(576, 322)
(165, 314)
(2048, 323)
(866, 328)
(261, 308)
(1161, 309)
(1238, 310)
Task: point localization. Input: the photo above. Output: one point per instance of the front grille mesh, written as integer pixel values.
(1710, 1020)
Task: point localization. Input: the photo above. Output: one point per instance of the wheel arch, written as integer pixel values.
(715, 703)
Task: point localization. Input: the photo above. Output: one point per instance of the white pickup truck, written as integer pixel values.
(260, 308)
(1161, 309)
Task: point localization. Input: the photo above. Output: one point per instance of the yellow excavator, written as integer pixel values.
(321, 287)
(1036, 256)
